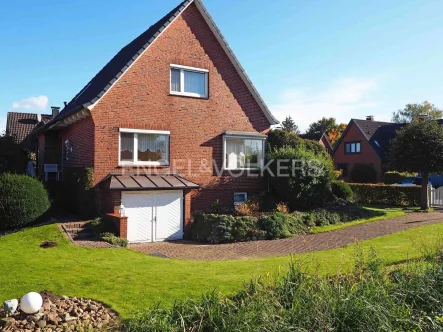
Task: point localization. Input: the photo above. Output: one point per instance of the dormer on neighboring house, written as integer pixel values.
(171, 124)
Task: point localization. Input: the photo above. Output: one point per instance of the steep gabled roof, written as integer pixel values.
(369, 127)
(118, 65)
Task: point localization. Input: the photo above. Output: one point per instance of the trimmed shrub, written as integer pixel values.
(246, 229)
(23, 201)
(363, 173)
(342, 190)
(323, 217)
(114, 240)
(275, 225)
(386, 194)
(212, 228)
(304, 183)
(396, 177)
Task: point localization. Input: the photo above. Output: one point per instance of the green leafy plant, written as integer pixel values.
(23, 201)
(304, 181)
(342, 190)
(114, 240)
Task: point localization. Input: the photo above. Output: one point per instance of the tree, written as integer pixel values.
(335, 133)
(13, 158)
(289, 125)
(325, 125)
(412, 112)
(418, 147)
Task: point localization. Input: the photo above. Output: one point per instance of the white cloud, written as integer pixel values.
(343, 99)
(32, 103)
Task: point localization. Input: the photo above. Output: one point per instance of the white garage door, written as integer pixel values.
(154, 215)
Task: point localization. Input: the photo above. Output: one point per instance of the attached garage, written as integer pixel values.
(154, 215)
(152, 206)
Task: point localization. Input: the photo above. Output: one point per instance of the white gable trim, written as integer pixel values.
(272, 120)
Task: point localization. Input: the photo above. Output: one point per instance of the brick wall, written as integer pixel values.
(367, 155)
(81, 138)
(140, 99)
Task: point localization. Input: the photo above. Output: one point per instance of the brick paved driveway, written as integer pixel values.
(298, 244)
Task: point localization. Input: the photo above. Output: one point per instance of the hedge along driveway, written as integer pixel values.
(386, 194)
(128, 280)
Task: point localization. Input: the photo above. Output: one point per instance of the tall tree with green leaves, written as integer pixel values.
(289, 125)
(411, 112)
(418, 147)
(325, 125)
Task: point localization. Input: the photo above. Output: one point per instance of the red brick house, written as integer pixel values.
(166, 126)
(365, 142)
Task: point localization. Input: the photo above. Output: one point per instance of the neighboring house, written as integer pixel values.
(322, 139)
(21, 125)
(365, 142)
(157, 124)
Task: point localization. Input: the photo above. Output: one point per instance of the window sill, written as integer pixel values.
(179, 94)
(142, 165)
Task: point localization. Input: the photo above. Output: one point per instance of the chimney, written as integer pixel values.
(55, 111)
(65, 103)
(370, 118)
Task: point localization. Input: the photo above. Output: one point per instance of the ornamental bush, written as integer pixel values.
(300, 177)
(23, 201)
(386, 194)
(342, 190)
(363, 173)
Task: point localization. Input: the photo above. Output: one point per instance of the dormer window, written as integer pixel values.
(189, 81)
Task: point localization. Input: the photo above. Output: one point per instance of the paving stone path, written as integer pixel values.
(298, 244)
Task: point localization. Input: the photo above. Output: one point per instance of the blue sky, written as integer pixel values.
(308, 59)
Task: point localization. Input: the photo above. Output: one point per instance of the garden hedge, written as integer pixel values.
(395, 177)
(23, 201)
(386, 194)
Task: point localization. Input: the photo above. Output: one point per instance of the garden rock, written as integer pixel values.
(62, 314)
(10, 306)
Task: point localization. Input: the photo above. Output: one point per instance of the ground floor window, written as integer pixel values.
(240, 198)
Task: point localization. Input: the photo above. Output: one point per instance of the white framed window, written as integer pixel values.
(189, 81)
(143, 147)
(240, 198)
(243, 152)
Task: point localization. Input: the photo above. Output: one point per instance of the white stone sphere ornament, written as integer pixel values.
(31, 303)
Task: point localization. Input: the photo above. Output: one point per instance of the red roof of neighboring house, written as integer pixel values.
(20, 125)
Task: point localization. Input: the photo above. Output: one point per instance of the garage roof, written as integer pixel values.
(147, 182)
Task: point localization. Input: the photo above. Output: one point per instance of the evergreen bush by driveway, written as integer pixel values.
(23, 201)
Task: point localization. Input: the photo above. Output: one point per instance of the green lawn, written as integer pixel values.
(128, 280)
(388, 213)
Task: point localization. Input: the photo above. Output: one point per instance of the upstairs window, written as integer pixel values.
(243, 152)
(352, 147)
(189, 81)
(144, 147)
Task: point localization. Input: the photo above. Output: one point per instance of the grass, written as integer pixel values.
(387, 213)
(127, 280)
